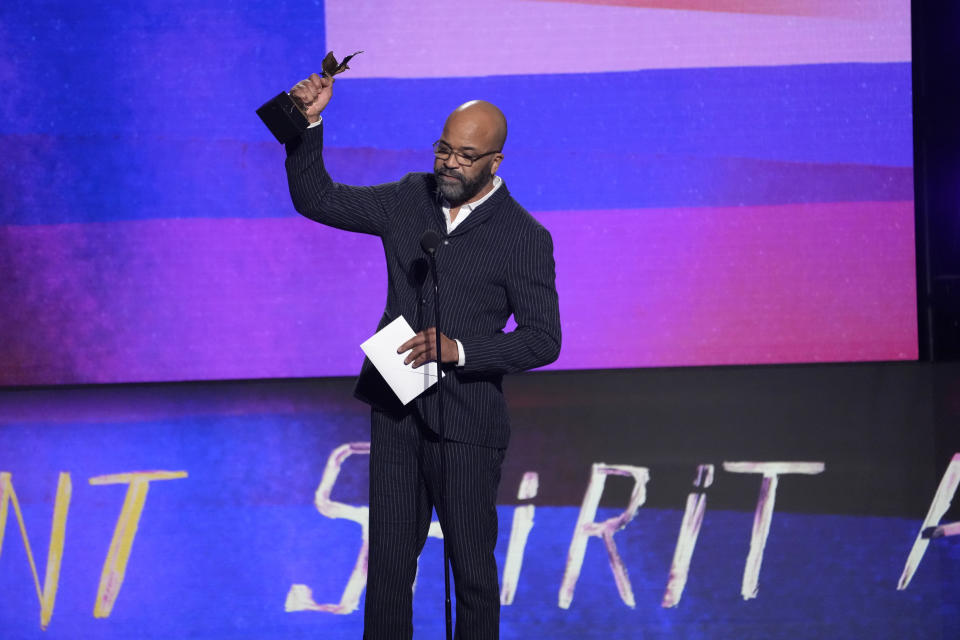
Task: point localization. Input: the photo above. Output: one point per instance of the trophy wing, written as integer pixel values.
(331, 67)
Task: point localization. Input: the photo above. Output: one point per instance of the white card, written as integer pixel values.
(405, 381)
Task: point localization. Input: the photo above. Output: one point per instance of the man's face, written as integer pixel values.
(459, 183)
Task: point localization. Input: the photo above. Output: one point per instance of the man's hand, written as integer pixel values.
(423, 348)
(312, 95)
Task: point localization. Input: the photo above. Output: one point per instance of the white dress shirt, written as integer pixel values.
(468, 207)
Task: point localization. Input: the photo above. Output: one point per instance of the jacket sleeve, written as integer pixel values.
(316, 196)
(532, 292)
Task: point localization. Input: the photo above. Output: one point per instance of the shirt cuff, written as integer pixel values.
(315, 124)
(462, 359)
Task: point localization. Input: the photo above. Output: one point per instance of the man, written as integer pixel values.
(495, 260)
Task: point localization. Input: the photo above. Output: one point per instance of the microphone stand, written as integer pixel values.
(443, 441)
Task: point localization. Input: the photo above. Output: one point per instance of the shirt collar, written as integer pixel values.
(467, 208)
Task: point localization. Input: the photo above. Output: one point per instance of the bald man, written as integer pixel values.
(495, 261)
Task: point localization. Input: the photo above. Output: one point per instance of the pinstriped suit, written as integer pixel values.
(497, 262)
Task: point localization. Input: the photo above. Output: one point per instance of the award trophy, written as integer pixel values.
(284, 116)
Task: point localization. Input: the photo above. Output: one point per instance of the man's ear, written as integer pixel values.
(497, 159)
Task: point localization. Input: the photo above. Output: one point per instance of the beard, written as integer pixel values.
(464, 188)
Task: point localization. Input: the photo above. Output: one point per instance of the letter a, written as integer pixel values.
(931, 527)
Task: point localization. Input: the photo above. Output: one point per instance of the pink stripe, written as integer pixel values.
(187, 299)
(736, 285)
(434, 38)
(210, 299)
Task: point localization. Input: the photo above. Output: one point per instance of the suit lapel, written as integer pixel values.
(482, 213)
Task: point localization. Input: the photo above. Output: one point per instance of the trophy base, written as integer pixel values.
(283, 118)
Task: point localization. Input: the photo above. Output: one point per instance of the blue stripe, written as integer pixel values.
(51, 180)
(185, 73)
(170, 131)
(147, 68)
(841, 113)
(606, 180)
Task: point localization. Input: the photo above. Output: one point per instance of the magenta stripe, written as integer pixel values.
(432, 38)
(187, 299)
(737, 285)
(210, 299)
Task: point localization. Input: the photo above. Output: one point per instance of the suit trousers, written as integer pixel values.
(404, 488)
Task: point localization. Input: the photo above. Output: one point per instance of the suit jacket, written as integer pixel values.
(497, 262)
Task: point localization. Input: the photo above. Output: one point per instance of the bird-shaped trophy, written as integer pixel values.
(284, 117)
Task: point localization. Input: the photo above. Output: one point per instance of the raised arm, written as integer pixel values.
(314, 194)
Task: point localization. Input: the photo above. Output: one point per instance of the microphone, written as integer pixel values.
(430, 241)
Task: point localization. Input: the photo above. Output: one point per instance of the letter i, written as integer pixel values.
(522, 524)
(687, 538)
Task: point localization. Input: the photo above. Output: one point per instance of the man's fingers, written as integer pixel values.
(425, 356)
(415, 346)
(409, 344)
(412, 356)
(422, 348)
(422, 338)
(307, 91)
(420, 354)
(303, 94)
(301, 100)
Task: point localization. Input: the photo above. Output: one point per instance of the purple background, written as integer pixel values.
(751, 207)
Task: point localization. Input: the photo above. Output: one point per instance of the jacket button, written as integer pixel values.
(446, 242)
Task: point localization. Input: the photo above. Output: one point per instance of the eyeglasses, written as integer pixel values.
(442, 151)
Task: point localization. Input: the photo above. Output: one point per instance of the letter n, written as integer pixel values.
(48, 594)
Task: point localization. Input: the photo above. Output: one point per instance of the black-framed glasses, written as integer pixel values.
(442, 151)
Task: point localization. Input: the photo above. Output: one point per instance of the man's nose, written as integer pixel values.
(450, 162)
